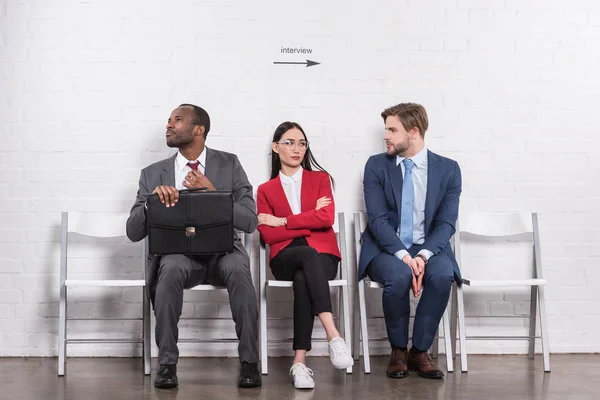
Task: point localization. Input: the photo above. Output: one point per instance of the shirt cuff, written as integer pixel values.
(400, 254)
(426, 253)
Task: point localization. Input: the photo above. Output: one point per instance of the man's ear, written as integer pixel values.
(199, 130)
(415, 132)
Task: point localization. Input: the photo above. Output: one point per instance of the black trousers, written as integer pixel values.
(310, 272)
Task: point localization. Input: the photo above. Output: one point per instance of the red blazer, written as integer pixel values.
(315, 225)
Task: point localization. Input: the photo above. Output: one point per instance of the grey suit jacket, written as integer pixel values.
(223, 170)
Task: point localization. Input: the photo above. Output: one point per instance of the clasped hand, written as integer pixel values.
(417, 266)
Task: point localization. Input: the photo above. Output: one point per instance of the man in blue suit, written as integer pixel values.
(412, 196)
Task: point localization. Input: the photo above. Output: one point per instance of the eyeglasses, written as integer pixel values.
(290, 144)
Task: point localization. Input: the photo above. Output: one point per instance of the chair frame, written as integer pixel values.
(537, 297)
(362, 311)
(341, 283)
(64, 283)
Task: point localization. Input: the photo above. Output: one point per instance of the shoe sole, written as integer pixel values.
(305, 387)
(430, 376)
(397, 376)
(249, 385)
(422, 375)
(166, 386)
(343, 366)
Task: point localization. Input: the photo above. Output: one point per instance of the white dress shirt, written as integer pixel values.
(419, 176)
(292, 187)
(182, 169)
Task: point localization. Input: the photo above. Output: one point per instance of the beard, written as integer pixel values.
(179, 140)
(398, 149)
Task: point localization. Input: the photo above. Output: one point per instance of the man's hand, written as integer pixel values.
(417, 278)
(168, 195)
(421, 269)
(322, 202)
(270, 220)
(196, 179)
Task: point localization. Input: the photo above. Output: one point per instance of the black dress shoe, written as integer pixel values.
(249, 375)
(166, 378)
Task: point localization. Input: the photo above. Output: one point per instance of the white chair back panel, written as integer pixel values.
(97, 224)
(488, 224)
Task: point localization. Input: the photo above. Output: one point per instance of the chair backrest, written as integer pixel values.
(94, 224)
(339, 227)
(99, 225)
(496, 225)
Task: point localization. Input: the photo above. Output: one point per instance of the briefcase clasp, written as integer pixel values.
(190, 231)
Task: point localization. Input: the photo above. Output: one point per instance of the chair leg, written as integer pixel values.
(544, 329)
(532, 321)
(435, 346)
(264, 357)
(363, 326)
(147, 336)
(356, 328)
(460, 306)
(62, 330)
(447, 341)
(346, 315)
(453, 318)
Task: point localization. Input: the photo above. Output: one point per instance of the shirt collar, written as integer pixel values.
(297, 177)
(420, 159)
(181, 161)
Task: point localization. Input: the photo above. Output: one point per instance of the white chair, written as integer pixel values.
(359, 227)
(100, 226)
(505, 225)
(247, 240)
(341, 283)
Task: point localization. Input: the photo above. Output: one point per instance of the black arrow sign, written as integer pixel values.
(308, 63)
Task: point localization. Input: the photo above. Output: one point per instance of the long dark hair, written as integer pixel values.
(308, 162)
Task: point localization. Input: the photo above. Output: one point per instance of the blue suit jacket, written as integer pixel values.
(383, 198)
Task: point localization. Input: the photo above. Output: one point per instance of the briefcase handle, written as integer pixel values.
(202, 189)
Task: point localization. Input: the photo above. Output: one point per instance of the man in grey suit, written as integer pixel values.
(196, 166)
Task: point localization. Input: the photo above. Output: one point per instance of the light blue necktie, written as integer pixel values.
(408, 200)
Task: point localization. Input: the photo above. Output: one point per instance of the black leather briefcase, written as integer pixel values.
(200, 223)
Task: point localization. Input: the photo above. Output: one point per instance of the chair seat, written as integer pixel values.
(370, 284)
(207, 287)
(288, 284)
(106, 282)
(507, 283)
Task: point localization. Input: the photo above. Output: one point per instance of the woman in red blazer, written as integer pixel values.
(295, 217)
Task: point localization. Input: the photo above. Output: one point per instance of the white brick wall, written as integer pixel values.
(86, 88)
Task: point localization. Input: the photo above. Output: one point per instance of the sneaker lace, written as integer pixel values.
(338, 346)
(301, 370)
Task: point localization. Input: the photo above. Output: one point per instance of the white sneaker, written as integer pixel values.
(302, 376)
(339, 354)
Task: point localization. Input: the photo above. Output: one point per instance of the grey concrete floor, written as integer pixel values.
(489, 377)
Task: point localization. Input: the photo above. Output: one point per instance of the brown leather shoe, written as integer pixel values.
(422, 363)
(397, 367)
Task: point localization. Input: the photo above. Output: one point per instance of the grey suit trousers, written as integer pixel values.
(178, 272)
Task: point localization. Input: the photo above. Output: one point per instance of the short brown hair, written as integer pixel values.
(411, 115)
